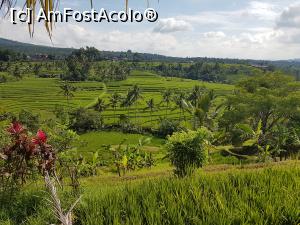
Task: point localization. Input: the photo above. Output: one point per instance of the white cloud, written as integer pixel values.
(170, 25)
(255, 13)
(261, 30)
(212, 34)
(77, 35)
(261, 10)
(290, 17)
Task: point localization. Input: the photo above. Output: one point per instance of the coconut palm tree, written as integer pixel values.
(133, 96)
(114, 100)
(67, 90)
(151, 106)
(181, 104)
(201, 110)
(100, 105)
(195, 95)
(167, 98)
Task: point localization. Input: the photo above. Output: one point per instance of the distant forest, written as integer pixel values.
(16, 51)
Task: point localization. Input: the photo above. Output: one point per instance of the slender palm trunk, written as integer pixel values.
(180, 117)
(167, 109)
(184, 118)
(115, 115)
(68, 103)
(151, 117)
(135, 113)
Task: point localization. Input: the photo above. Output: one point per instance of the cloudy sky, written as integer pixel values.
(266, 29)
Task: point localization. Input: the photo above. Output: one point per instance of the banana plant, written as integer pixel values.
(253, 135)
(135, 156)
(120, 160)
(130, 157)
(265, 154)
(254, 140)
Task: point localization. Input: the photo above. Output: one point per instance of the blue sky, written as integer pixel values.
(214, 28)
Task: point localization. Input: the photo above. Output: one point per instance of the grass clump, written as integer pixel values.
(268, 196)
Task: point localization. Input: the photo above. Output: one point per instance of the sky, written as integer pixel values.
(267, 29)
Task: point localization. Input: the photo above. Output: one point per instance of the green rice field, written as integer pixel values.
(41, 95)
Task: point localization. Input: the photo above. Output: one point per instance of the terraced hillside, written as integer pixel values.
(152, 86)
(41, 95)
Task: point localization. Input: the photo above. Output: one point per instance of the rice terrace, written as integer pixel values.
(91, 137)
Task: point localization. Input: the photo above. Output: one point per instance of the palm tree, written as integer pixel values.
(100, 105)
(67, 90)
(127, 103)
(181, 104)
(201, 110)
(132, 98)
(195, 95)
(47, 5)
(114, 100)
(151, 106)
(167, 98)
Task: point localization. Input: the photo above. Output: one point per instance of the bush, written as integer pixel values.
(168, 127)
(188, 150)
(30, 120)
(83, 120)
(23, 155)
(5, 77)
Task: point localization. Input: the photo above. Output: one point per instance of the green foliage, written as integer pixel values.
(9, 55)
(253, 135)
(43, 96)
(99, 105)
(67, 90)
(78, 67)
(75, 166)
(105, 72)
(6, 77)
(188, 150)
(61, 114)
(207, 70)
(30, 120)
(129, 158)
(168, 127)
(264, 103)
(224, 198)
(83, 120)
(4, 137)
(62, 138)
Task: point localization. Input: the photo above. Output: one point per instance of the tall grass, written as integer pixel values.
(270, 196)
(256, 196)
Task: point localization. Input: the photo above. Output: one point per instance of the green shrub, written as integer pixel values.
(83, 120)
(30, 120)
(168, 127)
(188, 150)
(5, 77)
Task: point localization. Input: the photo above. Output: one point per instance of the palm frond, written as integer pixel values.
(46, 5)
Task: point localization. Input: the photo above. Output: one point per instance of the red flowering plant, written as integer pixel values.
(25, 154)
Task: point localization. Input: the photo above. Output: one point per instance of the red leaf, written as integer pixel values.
(41, 137)
(15, 128)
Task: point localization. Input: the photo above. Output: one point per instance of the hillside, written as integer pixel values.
(288, 66)
(30, 49)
